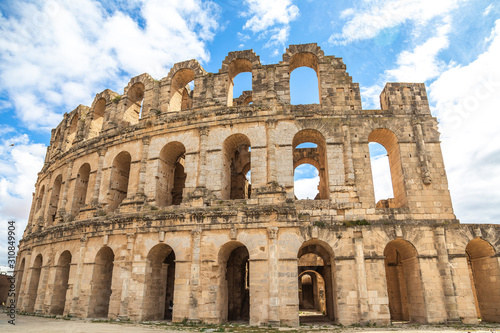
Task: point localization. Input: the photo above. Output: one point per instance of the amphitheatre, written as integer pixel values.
(143, 209)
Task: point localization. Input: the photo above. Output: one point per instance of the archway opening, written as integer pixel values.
(101, 283)
(171, 176)
(54, 199)
(404, 287)
(81, 187)
(182, 90)
(305, 83)
(19, 280)
(389, 141)
(485, 274)
(235, 283)
(160, 283)
(240, 80)
(134, 110)
(97, 118)
(39, 200)
(306, 182)
(237, 164)
(73, 128)
(118, 186)
(61, 284)
(309, 147)
(34, 282)
(317, 301)
(381, 173)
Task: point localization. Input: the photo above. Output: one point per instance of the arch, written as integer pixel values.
(118, 186)
(234, 276)
(306, 179)
(315, 156)
(305, 59)
(102, 277)
(39, 199)
(381, 175)
(159, 283)
(54, 199)
(485, 278)
(63, 267)
(19, 279)
(73, 128)
(311, 291)
(316, 255)
(135, 95)
(81, 187)
(236, 67)
(98, 110)
(404, 286)
(34, 283)
(171, 177)
(388, 139)
(180, 87)
(236, 164)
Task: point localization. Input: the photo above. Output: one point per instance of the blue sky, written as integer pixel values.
(55, 55)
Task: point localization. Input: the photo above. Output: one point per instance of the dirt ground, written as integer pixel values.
(28, 324)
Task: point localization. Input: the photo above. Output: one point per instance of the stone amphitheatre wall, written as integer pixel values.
(142, 209)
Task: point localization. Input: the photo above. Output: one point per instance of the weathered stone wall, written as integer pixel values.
(142, 210)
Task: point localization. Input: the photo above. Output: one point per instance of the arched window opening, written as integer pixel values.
(81, 187)
(242, 89)
(235, 282)
(33, 283)
(160, 283)
(404, 287)
(306, 182)
(182, 90)
(171, 175)
(61, 282)
(102, 278)
(305, 84)
(118, 186)
(381, 173)
(19, 280)
(97, 118)
(316, 282)
(39, 200)
(236, 165)
(310, 165)
(483, 265)
(73, 128)
(57, 137)
(134, 104)
(240, 79)
(389, 141)
(54, 199)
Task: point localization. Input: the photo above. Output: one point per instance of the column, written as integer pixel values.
(359, 258)
(202, 163)
(195, 275)
(424, 163)
(74, 307)
(348, 162)
(67, 180)
(274, 300)
(143, 167)
(98, 176)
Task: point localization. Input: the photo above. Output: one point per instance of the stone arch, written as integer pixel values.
(484, 270)
(39, 199)
(54, 199)
(248, 55)
(102, 277)
(118, 186)
(236, 63)
(81, 187)
(34, 282)
(236, 160)
(233, 299)
(133, 106)
(179, 77)
(98, 111)
(311, 48)
(311, 291)
(72, 130)
(404, 285)
(389, 140)
(159, 283)
(324, 265)
(171, 176)
(314, 156)
(19, 279)
(61, 285)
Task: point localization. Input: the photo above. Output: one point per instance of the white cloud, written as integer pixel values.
(373, 16)
(271, 19)
(488, 10)
(56, 55)
(466, 102)
(20, 160)
(381, 174)
(306, 188)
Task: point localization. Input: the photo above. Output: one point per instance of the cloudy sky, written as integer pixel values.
(55, 55)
